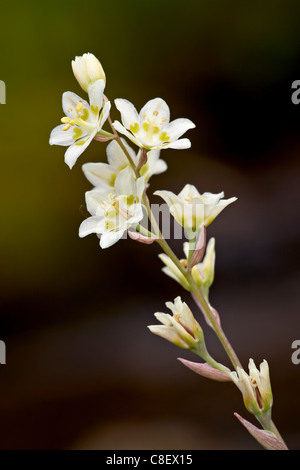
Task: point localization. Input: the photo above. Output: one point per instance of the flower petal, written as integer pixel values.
(70, 100)
(95, 91)
(129, 115)
(60, 137)
(75, 150)
(125, 182)
(168, 333)
(178, 127)
(116, 157)
(121, 129)
(94, 200)
(110, 238)
(156, 107)
(105, 113)
(91, 225)
(178, 144)
(99, 174)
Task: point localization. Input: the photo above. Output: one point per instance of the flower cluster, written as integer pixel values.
(118, 204)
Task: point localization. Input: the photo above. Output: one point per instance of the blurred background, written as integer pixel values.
(83, 371)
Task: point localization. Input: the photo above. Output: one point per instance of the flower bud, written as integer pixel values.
(180, 329)
(87, 70)
(203, 273)
(255, 388)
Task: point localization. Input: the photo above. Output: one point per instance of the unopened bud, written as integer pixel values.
(87, 70)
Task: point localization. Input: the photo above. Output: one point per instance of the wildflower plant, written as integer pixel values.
(119, 205)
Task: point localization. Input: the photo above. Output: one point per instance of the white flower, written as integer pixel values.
(104, 174)
(192, 210)
(81, 122)
(114, 210)
(180, 329)
(255, 387)
(87, 70)
(151, 129)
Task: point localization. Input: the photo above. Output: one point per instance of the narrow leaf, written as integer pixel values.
(206, 370)
(266, 438)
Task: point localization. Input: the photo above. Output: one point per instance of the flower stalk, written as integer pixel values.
(117, 204)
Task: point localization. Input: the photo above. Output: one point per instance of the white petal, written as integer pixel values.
(137, 217)
(95, 91)
(128, 112)
(157, 108)
(104, 114)
(168, 196)
(110, 238)
(60, 137)
(94, 200)
(164, 318)
(121, 129)
(212, 198)
(169, 334)
(189, 191)
(76, 150)
(178, 144)
(91, 225)
(99, 174)
(115, 155)
(158, 167)
(214, 211)
(140, 186)
(178, 127)
(71, 100)
(125, 182)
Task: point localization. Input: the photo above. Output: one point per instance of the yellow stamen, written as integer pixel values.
(79, 106)
(65, 120)
(72, 122)
(66, 127)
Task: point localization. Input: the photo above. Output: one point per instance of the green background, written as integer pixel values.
(83, 370)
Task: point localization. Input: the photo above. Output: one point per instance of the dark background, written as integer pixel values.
(83, 371)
